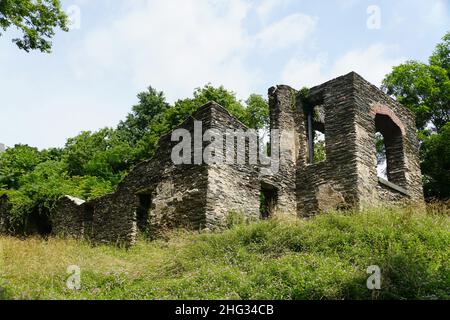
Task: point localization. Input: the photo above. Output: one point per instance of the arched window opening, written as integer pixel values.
(389, 148)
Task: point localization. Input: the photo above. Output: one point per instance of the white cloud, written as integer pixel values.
(438, 13)
(291, 30)
(372, 63)
(173, 45)
(347, 4)
(177, 46)
(303, 72)
(266, 8)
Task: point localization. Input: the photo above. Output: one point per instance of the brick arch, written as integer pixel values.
(381, 109)
(393, 131)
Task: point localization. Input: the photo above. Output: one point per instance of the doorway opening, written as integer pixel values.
(143, 211)
(268, 201)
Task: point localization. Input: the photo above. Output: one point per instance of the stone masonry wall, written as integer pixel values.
(348, 176)
(389, 196)
(68, 217)
(178, 196)
(332, 183)
(114, 219)
(231, 187)
(370, 102)
(287, 117)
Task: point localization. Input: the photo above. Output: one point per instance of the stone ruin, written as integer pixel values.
(158, 195)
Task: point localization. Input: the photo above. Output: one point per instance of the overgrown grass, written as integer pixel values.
(325, 257)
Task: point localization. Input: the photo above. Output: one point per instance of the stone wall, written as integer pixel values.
(177, 196)
(194, 196)
(114, 219)
(286, 116)
(158, 195)
(231, 187)
(68, 217)
(354, 110)
(329, 184)
(403, 144)
(391, 196)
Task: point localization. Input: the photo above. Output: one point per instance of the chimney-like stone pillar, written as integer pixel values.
(286, 117)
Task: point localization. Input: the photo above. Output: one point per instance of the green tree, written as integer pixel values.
(16, 162)
(257, 112)
(36, 19)
(435, 154)
(425, 90)
(186, 107)
(149, 111)
(40, 188)
(103, 154)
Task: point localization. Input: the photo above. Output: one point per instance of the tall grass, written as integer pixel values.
(325, 257)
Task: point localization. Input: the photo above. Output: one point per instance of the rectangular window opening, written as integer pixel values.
(316, 134)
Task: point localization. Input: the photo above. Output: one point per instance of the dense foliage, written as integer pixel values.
(425, 90)
(36, 20)
(93, 163)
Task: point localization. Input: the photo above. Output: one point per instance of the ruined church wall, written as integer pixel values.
(331, 184)
(230, 191)
(348, 176)
(371, 100)
(114, 219)
(68, 219)
(231, 187)
(178, 199)
(178, 195)
(286, 116)
(388, 196)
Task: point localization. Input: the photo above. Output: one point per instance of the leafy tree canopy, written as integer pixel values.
(16, 162)
(151, 107)
(435, 154)
(424, 88)
(35, 19)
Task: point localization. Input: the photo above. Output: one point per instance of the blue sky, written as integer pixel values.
(119, 47)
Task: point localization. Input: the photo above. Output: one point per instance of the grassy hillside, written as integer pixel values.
(322, 258)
